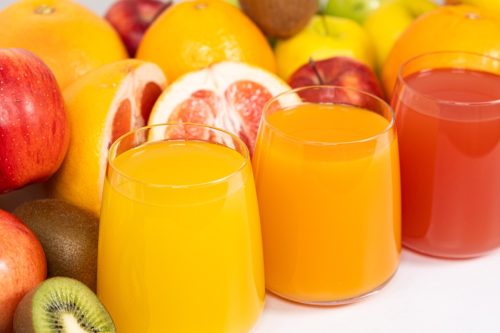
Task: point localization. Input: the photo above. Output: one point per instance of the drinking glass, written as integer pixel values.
(448, 119)
(180, 240)
(327, 176)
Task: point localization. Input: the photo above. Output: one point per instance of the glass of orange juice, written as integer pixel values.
(327, 176)
(180, 240)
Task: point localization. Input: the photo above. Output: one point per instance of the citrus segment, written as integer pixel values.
(247, 99)
(227, 95)
(122, 121)
(200, 107)
(69, 38)
(194, 34)
(102, 105)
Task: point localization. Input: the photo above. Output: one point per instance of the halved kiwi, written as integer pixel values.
(62, 305)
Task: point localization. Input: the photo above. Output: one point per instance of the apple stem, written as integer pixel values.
(322, 5)
(325, 25)
(44, 9)
(316, 71)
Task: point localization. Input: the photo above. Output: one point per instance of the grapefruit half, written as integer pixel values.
(103, 105)
(228, 95)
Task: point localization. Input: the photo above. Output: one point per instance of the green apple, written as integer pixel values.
(357, 10)
(324, 37)
(385, 24)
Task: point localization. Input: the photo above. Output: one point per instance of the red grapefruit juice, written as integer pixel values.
(448, 122)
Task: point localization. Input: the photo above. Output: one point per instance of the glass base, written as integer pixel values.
(449, 256)
(339, 302)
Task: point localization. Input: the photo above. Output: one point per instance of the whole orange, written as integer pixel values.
(69, 38)
(195, 34)
(447, 28)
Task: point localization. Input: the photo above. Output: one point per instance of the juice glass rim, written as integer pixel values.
(402, 78)
(290, 137)
(244, 153)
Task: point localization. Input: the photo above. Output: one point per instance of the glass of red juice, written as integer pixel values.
(448, 120)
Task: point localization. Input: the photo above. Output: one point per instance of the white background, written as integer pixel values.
(426, 295)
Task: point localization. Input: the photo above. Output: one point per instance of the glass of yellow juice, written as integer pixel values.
(180, 241)
(327, 175)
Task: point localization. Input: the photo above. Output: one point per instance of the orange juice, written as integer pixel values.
(327, 180)
(179, 245)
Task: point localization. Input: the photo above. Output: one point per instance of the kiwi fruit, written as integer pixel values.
(61, 305)
(280, 18)
(68, 235)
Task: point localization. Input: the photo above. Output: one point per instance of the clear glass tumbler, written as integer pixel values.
(180, 239)
(448, 119)
(327, 176)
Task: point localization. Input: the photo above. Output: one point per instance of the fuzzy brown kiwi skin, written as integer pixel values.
(280, 18)
(23, 317)
(69, 237)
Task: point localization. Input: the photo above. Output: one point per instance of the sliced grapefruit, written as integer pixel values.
(102, 105)
(227, 95)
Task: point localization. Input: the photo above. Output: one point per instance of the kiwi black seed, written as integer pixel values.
(62, 305)
(68, 235)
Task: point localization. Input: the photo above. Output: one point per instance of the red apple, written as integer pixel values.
(34, 132)
(131, 18)
(22, 266)
(339, 71)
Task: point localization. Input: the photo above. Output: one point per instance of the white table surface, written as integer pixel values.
(426, 294)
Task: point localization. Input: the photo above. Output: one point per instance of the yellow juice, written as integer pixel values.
(180, 246)
(327, 180)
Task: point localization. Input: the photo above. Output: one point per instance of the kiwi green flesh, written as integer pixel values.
(56, 299)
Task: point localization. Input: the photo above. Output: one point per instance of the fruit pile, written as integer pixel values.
(72, 82)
